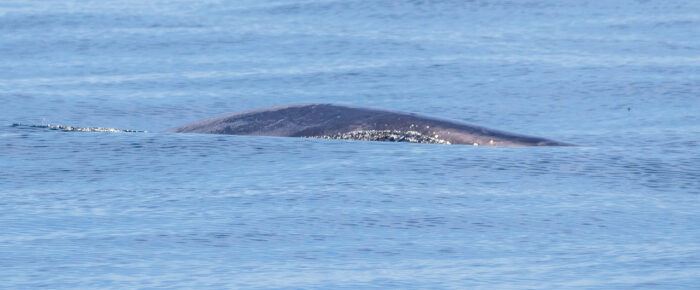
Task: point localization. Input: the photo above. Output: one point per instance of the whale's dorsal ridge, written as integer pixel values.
(338, 121)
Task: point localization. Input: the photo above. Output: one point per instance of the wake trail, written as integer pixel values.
(76, 129)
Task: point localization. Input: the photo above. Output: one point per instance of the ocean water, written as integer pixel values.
(156, 210)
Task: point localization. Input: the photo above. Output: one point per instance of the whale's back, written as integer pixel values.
(355, 123)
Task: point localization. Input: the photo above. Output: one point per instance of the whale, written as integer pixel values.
(333, 121)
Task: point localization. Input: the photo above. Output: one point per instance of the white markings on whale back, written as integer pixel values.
(386, 136)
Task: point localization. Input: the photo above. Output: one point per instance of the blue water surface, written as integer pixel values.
(146, 210)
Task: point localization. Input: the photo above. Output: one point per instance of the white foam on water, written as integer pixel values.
(78, 129)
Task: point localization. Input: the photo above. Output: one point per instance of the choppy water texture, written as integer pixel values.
(127, 210)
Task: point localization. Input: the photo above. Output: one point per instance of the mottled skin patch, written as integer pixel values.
(385, 136)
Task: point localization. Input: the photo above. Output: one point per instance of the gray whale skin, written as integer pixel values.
(331, 121)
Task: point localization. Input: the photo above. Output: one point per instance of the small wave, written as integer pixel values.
(78, 129)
